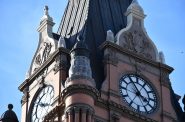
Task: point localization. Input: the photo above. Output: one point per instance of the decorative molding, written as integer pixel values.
(169, 116)
(110, 57)
(26, 95)
(80, 77)
(119, 49)
(115, 117)
(111, 92)
(165, 80)
(122, 110)
(48, 62)
(61, 63)
(84, 108)
(79, 88)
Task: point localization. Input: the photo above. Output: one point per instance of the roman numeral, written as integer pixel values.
(149, 91)
(123, 87)
(130, 103)
(151, 106)
(125, 95)
(151, 99)
(144, 84)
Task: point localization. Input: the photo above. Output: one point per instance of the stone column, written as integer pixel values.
(84, 112)
(77, 110)
(70, 116)
(92, 118)
(66, 117)
(89, 116)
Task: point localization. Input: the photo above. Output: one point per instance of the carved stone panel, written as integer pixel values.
(136, 40)
(42, 55)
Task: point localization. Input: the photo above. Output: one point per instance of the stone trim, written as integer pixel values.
(167, 115)
(112, 93)
(99, 119)
(48, 62)
(85, 108)
(80, 88)
(61, 63)
(108, 44)
(55, 112)
(122, 110)
(110, 57)
(164, 77)
(80, 77)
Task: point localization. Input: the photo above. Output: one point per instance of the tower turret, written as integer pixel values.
(80, 92)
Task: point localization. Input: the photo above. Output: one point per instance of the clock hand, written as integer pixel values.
(43, 104)
(137, 91)
(143, 98)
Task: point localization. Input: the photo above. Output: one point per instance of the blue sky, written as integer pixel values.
(19, 19)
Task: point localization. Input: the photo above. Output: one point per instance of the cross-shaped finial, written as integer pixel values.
(46, 10)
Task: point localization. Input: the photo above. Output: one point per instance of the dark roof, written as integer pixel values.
(56, 36)
(176, 105)
(80, 48)
(92, 19)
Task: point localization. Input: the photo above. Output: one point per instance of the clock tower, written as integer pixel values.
(101, 66)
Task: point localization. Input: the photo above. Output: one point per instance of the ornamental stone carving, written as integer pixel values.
(136, 41)
(134, 37)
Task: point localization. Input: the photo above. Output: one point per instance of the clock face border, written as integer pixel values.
(32, 105)
(140, 96)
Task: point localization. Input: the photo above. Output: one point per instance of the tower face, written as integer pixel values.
(86, 74)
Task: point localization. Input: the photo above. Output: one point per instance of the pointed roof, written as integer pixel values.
(91, 19)
(80, 48)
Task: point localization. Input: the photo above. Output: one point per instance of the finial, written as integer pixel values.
(135, 1)
(110, 36)
(10, 106)
(161, 57)
(46, 10)
(61, 42)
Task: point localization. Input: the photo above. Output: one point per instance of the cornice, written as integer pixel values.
(80, 88)
(108, 44)
(110, 105)
(48, 62)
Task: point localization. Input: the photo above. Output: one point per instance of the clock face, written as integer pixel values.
(138, 94)
(42, 104)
